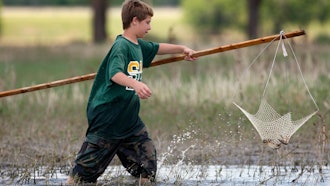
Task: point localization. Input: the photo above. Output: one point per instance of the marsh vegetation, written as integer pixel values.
(190, 115)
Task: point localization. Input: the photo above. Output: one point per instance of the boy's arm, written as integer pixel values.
(166, 48)
(140, 88)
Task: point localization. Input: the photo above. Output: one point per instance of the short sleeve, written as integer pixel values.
(116, 61)
(149, 51)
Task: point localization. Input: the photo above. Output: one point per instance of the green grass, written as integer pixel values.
(31, 26)
(40, 64)
(42, 25)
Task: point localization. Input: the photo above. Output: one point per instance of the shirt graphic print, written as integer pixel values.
(134, 71)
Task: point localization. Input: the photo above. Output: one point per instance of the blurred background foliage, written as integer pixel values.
(0, 17)
(80, 2)
(217, 16)
(213, 17)
(272, 15)
(299, 12)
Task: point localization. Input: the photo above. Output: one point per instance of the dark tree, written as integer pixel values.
(253, 22)
(99, 20)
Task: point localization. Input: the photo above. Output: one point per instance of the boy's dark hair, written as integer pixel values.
(134, 8)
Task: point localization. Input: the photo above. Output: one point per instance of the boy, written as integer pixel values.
(114, 125)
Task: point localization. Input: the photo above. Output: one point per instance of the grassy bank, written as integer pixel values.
(185, 95)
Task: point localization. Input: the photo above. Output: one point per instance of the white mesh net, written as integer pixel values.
(276, 129)
(273, 128)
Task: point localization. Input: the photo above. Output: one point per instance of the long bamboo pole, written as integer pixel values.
(155, 63)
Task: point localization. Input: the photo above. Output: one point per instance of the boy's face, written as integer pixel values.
(142, 27)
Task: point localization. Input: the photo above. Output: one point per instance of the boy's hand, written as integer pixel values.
(189, 52)
(142, 90)
(165, 48)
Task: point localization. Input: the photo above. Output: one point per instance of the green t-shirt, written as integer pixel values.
(113, 110)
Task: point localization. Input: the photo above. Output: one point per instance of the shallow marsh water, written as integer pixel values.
(189, 160)
(198, 175)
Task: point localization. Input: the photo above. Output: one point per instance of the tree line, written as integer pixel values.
(212, 17)
(80, 2)
(251, 16)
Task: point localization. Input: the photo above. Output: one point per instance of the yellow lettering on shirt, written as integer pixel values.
(134, 71)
